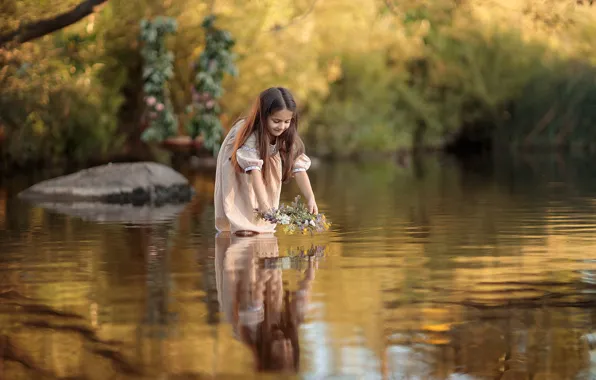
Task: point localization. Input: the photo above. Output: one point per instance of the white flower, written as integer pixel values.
(312, 223)
(284, 219)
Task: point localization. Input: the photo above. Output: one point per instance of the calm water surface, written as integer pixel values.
(433, 271)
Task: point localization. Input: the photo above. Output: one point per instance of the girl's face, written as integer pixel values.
(278, 122)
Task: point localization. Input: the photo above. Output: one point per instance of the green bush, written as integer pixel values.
(360, 114)
(459, 78)
(53, 105)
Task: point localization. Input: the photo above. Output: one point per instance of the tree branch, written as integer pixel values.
(277, 28)
(391, 7)
(40, 28)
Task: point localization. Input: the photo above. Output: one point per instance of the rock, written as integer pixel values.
(138, 183)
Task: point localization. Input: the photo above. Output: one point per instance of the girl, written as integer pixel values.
(258, 154)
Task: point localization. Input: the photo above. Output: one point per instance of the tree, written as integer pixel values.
(32, 31)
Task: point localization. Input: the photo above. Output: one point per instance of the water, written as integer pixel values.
(433, 271)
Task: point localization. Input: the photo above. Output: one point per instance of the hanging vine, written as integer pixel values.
(157, 70)
(214, 62)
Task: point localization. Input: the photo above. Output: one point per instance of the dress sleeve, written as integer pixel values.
(248, 155)
(301, 164)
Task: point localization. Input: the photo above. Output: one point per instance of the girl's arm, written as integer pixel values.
(304, 185)
(260, 192)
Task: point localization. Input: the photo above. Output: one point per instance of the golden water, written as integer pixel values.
(429, 272)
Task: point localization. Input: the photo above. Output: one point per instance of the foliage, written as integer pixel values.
(465, 81)
(296, 218)
(215, 61)
(486, 71)
(555, 109)
(359, 114)
(53, 106)
(367, 77)
(17, 12)
(157, 70)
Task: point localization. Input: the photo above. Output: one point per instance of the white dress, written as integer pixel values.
(234, 198)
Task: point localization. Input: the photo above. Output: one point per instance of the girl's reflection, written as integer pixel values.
(252, 298)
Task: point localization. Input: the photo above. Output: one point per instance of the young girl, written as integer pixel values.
(258, 154)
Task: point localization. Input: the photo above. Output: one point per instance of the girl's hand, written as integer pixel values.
(311, 204)
(304, 185)
(264, 209)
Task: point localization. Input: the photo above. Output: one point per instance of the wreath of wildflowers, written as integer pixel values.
(295, 218)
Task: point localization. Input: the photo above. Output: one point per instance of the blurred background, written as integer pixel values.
(370, 76)
(453, 144)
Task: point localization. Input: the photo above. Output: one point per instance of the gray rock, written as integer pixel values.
(138, 183)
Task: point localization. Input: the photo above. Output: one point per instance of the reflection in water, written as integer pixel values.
(430, 272)
(264, 315)
(157, 314)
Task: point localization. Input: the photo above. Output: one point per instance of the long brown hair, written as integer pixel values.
(290, 145)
